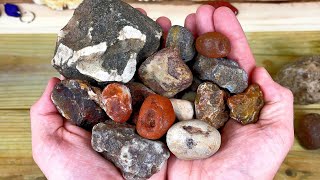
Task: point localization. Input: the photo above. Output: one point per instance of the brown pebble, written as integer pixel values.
(213, 45)
(245, 107)
(307, 131)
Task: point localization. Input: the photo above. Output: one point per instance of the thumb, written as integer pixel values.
(45, 118)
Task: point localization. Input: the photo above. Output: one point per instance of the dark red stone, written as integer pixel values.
(213, 45)
(307, 131)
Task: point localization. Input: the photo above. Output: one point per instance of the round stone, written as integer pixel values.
(117, 102)
(307, 131)
(156, 117)
(183, 109)
(193, 139)
(213, 45)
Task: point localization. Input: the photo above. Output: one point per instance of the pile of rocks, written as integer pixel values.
(129, 93)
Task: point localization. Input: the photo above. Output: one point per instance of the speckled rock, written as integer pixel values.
(245, 107)
(165, 73)
(193, 139)
(224, 72)
(77, 101)
(302, 77)
(183, 109)
(307, 130)
(210, 105)
(104, 40)
(136, 157)
(181, 38)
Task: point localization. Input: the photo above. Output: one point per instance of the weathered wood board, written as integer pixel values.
(25, 68)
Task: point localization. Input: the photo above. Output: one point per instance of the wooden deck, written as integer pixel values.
(25, 68)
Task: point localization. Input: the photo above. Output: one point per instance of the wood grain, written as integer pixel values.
(25, 68)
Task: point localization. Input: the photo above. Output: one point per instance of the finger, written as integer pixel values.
(271, 90)
(191, 24)
(165, 23)
(226, 23)
(62, 77)
(44, 115)
(204, 19)
(142, 11)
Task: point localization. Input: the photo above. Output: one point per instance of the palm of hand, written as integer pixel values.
(254, 151)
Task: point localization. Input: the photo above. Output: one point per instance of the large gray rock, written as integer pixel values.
(104, 41)
(303, 79)
(136, 157)
(223, 72)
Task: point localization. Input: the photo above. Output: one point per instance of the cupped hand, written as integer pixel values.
(63, 151)
(254, 151)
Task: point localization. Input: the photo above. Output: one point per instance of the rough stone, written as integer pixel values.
(166, 73)
(223, 72)
(307, 131)
(245, 107)
(183, 39)
(213, 45)
(104, 41)
(156, 117)
(183, 109)
(302, 77)
(77, 101)
(210, 105)
(136, 157)
(117, 103)
(193, 139)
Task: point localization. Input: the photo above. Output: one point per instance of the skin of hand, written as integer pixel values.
(255, 151)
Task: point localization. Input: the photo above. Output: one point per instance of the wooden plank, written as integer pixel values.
(254, 17)
(25, 60)
(16, 159)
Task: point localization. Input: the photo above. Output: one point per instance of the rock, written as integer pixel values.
(193, 139)
(136, 157)
(77, 101)
(210, 105)
(189, 96)
(139, 93)
(302, 77)
(213, 45)
(117, 103)
(165, 73)
(156, 117)
(245, 107)
(104, 41)
(307, 131)
(181, 38)
(183, 109)
(224, 72)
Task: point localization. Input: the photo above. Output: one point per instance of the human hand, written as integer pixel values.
(254, 151)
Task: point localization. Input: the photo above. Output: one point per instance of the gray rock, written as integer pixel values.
(136, 157)
(189, 96)
(224, 72)
(211, 105)
(193, 139)
(166, 73)
(183, 39)
(77, 101)
(183, 109)
(104, 40)
(302, 77)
